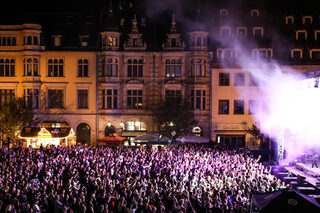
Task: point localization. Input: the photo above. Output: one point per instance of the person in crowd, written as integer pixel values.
(178, 179)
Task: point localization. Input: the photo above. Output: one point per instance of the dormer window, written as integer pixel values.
(316, 34)
(225, 31)
(296, 53)
(223, 12)
(289, 20)
(242, 31)
(255, 12)
(315, 54)
(225, 53)
(262, 53)
(301, 35)
(307, 19)
(84, 40)
(57, 40)
(257, 31)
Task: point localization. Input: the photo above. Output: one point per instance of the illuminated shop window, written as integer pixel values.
(135, 126)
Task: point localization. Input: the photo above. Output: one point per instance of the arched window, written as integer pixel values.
(35, 40)
(4, 41)
(7, 67)
(55, 67)
(29, 40)
(199, 41)
(173, 68)
(109, 67)
(198, 67)
(31, 67)
(83, 67)
(135, 68)
(14, 41)
(9, 41)
(83, 133)
(35, 67)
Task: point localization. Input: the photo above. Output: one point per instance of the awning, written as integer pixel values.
(132, 133)
(193, 139)
(229, 130)
(112, 140)
(149, 137)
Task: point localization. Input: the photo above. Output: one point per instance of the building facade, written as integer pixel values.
(101, 83)
(99, 72)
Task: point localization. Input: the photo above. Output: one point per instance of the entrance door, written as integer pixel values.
(83, 134)
(235, 141)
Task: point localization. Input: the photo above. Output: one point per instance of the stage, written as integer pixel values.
(312, 175)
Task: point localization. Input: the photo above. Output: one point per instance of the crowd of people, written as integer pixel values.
(173, 179)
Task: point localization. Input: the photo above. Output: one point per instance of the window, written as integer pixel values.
(7, 67)
(238, 107)
(239, 79)
(6, 95)
(55, 67)
(31, 67)
(257, 31)
(173, 68)
(135, 126)
(198, 99)
(56, 40)
(6, 40)
(134, 99)
(83, 67)
(301, 35)
(224, 79)
(82, 99)
(198, 67)
(262, 53)
(255, 12)
(253, 107)
(296, 54)
(315, 54)
(135, 68)
(84, 39)
(31, 40)
(31, 97)
(110, 67)
(225, 53)
(55, 99)
(110, 99)
(242, 31)
(223, 106)
(173, 96)
(316, 34)
(289, 20)
(307, 20)
(253, 81)
(225, 31)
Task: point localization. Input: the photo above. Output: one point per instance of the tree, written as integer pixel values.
(174, 115)
(255, 132)
(14, 116)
